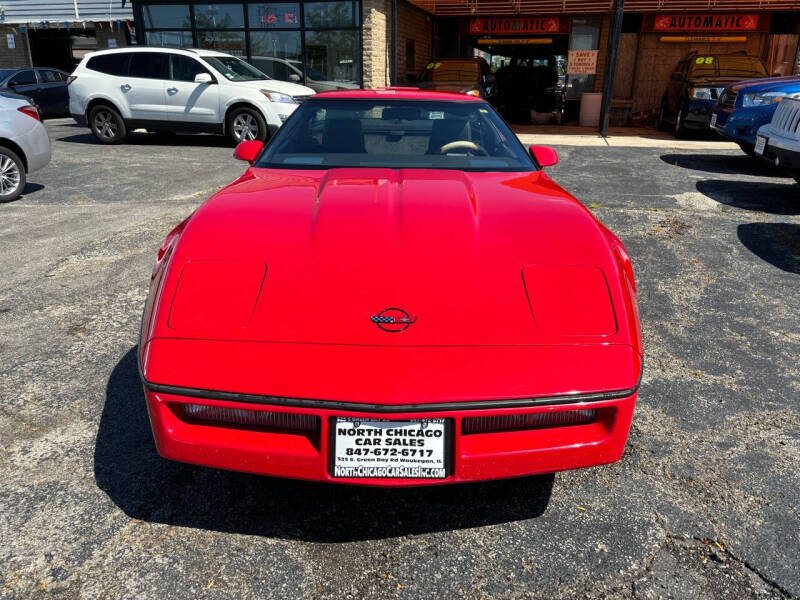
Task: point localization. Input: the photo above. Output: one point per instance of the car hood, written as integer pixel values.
(275, 85)
(319, 257)
(766, 84)
(719, 82)
(336, 85)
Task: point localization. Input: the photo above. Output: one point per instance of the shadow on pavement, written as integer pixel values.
(147, 487)
(776, 243)
(721, 163)
(155, 139)
(775, 198)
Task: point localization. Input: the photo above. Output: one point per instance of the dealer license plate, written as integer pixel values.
(761, 143)
(714, 120)
(415, 449)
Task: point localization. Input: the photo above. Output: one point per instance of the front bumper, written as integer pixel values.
(698, 114)
(740, 125)
(781, 152)
(473, 456)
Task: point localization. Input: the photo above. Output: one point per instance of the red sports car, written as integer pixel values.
(394, 293)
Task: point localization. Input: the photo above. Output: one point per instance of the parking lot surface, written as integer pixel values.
(704, 503)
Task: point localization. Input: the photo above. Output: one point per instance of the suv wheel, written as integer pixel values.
(662, 121)
(107, 125)
(680, 131)
(748, 149)
(12, 175)
(245, 124)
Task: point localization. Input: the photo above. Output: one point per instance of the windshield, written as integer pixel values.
(451, 70)
(422, 134)
(234, 69)
(726, 66)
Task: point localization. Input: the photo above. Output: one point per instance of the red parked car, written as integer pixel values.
(394, 293)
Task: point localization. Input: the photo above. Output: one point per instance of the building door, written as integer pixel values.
(782, 53)
(51, 48)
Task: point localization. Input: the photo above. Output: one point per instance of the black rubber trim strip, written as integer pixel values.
(383, 408)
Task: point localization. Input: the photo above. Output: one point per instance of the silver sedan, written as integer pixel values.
(24, 144)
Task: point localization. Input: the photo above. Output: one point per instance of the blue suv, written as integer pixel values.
(745, 106)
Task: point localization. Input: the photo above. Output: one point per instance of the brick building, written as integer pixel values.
(389, 42)
(57, 33)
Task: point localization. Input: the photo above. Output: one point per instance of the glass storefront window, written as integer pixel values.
(274, 16)
(172, 39)
(167, 16)
(218, 16)
(278, 54)
(290, 40)
(585, 36)
(331, 14)
(334, 55)
(231, 42)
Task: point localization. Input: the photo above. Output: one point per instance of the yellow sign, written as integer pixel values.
(515, 41)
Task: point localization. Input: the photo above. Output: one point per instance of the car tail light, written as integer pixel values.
(71, 78)
(528, 421)
(252, 418)
(29, 110)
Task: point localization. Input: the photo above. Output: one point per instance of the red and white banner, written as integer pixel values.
(515, 26)
(706, 22)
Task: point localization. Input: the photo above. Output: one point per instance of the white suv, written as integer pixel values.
(168, 89)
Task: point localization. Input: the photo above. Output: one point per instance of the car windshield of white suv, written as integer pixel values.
(396, 134)
(234, 69)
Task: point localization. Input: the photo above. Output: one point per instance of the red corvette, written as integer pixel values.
(394, 293)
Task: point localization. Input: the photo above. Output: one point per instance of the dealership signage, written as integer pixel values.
(515, 26)
(706, 22)
(582, 62)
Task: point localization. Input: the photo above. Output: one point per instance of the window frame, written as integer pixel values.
(141, 29)
(36, 78)
(162, 53)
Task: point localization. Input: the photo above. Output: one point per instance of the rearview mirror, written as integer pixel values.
(248, 151)
(202, 78)
(544, 156)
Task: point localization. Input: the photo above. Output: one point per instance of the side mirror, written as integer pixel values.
(294, 77)
(546, 157)
(248, 151)
(203, 78)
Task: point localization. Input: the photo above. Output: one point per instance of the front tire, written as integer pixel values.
(107, 125)
(680, 130)
(748, 149)
(12, 175)
(246, 124)
(662, 122)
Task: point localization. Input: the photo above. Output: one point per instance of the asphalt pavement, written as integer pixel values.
(704, 503)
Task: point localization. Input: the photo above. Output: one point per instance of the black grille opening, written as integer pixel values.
(545, 420)
(261, 419)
